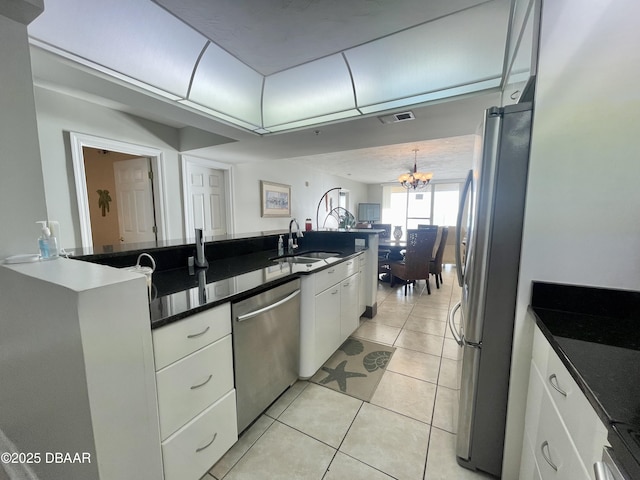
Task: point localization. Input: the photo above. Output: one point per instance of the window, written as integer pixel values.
(445, 203)
(436, 205)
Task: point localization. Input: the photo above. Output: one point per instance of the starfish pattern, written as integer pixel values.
(339, 375)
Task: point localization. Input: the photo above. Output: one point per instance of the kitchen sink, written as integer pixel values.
(318, 255)
(296, 259)
(306, 257)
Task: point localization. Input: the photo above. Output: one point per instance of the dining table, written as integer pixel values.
(394, 247)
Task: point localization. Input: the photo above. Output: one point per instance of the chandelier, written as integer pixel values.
(415, 179)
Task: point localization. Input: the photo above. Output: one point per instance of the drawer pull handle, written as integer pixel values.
(349, 263)
(346, 284)
(331, 271)
(334, 292)
(203, 383)
(547, 456)
(553, 380)
(196, 335)
(198, 450)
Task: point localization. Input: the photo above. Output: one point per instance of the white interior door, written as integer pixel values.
(134, 194)
(206, 196)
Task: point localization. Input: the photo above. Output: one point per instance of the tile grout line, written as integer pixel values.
(435, 400)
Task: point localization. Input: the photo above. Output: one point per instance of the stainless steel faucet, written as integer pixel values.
(294, 244)
(201, 260)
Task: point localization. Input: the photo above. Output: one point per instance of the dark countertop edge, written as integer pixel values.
(146, 247)
(239, 296)
(573, 371)
(135, 249)
(234, 297)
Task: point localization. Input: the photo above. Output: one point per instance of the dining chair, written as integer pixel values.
(419, 252)
(435, 265)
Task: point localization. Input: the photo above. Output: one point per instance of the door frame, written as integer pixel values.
(80, 140)
(227, 169)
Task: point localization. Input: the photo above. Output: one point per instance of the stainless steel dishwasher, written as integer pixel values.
(266, 348)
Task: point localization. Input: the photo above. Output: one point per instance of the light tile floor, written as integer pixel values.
(405, 432)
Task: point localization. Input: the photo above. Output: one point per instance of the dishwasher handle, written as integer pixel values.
(255, 313)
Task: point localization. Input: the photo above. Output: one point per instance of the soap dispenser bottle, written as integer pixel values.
(43, 240)
(280, 246)
(47, 243)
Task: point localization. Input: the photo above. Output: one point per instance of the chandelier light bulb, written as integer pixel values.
(416, 179)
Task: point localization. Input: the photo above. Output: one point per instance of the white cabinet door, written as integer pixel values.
(327, 323)
(362, 304)
(349, 305)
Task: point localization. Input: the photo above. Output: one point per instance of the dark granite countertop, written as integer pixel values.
(596, 334)
(179, 293)
(239, 266)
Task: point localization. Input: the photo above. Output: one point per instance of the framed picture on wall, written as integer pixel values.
(275, 199)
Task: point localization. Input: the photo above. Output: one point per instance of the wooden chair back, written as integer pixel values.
(419, 252)
(437, 259)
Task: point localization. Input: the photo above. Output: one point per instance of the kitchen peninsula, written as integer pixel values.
(92, 335)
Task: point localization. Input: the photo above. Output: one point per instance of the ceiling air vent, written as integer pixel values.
(397, 117)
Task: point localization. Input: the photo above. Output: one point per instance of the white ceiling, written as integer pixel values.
(270, 36)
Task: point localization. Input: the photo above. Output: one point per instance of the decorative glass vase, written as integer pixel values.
(397, 233)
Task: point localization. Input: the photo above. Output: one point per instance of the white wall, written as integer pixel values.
(60, 114)
(582, 219)
(22, 200)
(307, 187)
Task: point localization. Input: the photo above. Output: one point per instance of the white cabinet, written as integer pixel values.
(349, 305)
(188, 386)
(330, 312)
(327, 314)
(563, 435)
(183, 337)
(198, 445)
(196, 395)
(362, 292)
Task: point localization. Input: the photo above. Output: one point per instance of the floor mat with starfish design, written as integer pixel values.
(355, 368)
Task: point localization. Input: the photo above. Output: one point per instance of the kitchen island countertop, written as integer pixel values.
(179, 293)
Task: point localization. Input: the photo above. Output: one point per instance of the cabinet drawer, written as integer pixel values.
(195, 448)
(188, 386)
(352, 266)
(183, 337)
(554, 451)
(332, 275)
(541, 350)
(528, 466)
(587, 430)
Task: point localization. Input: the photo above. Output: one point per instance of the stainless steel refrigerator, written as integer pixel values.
(489, 234)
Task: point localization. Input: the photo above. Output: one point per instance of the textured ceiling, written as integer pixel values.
(447, 159)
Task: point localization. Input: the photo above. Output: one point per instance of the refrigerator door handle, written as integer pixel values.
(463, 200)
(452, 326)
